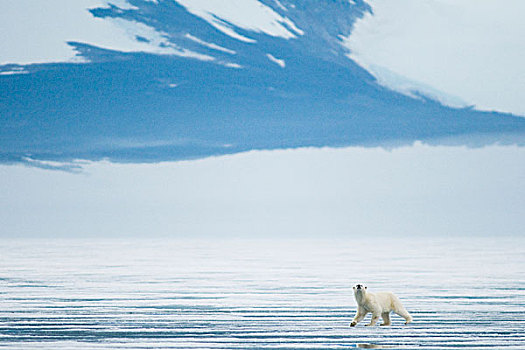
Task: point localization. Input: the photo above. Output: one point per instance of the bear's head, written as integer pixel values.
(359, 289)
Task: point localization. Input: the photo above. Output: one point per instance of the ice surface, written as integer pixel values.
(233, 294)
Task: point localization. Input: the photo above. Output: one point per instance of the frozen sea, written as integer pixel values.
(275, 294)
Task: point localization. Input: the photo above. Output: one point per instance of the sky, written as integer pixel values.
(461, 52)
(261, 118)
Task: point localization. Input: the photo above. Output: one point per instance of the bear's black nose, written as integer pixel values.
(358, 286)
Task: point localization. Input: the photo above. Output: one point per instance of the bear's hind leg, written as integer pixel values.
(401, 311)
(374, 319)
(386, 319)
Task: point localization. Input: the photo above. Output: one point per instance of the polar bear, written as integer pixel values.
(379, 304)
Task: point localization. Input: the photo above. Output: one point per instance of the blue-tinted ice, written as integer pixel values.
(278, 294)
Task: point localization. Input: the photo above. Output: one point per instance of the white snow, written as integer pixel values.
(209, 45)
(281, 6)
(277, 61)
(231, 65)
(246, 14)
(15, 70)
(121, 4)
(412, 88)
(34, 31)
(462, 52)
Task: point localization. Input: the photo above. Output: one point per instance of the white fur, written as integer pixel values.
(379, 304)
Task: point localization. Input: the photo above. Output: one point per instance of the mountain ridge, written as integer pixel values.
(148, 107)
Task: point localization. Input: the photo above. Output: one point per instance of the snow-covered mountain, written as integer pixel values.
(144, 80)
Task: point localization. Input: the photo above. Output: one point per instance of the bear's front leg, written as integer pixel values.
(358, 317)
(386, 319)
(375, 317)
